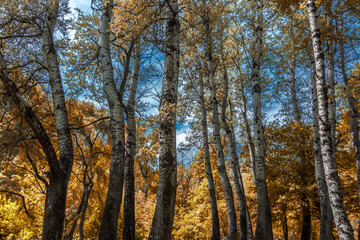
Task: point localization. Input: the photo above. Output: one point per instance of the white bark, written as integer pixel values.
(330, 68)
(264, 225)
(342, 222)
(326, 218)
(109, 220)
(354, 113)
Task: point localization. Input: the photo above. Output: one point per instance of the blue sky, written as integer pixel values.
(84, 5)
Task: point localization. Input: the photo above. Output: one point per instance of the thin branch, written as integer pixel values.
(23, 201)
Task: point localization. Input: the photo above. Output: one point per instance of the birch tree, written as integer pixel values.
(59, 167)
(263, 226)
(342, 222)
(110, 216)
(162, 223)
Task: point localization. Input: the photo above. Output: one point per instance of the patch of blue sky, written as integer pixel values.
(83, 5)
(157, 61)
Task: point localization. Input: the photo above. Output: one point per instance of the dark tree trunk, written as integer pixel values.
(204, 128)
(165, 200)
(245, 233)
(232, 226)
(284, 223)
(59, 168)
(306, 218)
(129, 195)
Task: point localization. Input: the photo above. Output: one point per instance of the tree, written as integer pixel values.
(232, 226)
(165, 201)
(342, 222)
(109, 221)
(60, 167)
(263, 226)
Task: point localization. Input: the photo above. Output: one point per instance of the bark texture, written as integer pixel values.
(165, 200)
(209, 176)
(59, 168)
(110, 216)
(232, 226)
(249, 138)
(330, 69)
(129, 195)
(56, 193)
(342, 222)
(353, 114)
(264, 225)
(245, 225)
(326, 218)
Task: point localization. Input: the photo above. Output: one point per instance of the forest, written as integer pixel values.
(180, 119)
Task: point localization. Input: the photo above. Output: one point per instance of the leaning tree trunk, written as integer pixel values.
(353, 114)
(342, 222)
(234, 163)
(209, 176)
(264, 225)
(232, 226)
(326, 217)
(305, 202)
(330, 69)
(165, 201)
(129, 195)
(110, 216)
(56, 193)
(59, 169)
(249, 138)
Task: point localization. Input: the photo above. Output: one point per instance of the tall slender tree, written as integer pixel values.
(162, 223)
(264, 225)
(232, 226)
(208, 170)
(342, 222)
(354, 113)
(110, 216)
(326, 219)
(129, 194)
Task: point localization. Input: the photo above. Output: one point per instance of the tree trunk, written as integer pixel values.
(234, 163)
(83, 211)
(353, 114)
(342, 222)
(249, 138)
(165, 201)
(129, 195)
(110, 216)
(232, 226)
(306, 212)
(306, 218)
(326, 218)
(330, 69)
(284, 222)
(264, 225)
(56, 195)
(59, 169)
(204, 128)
